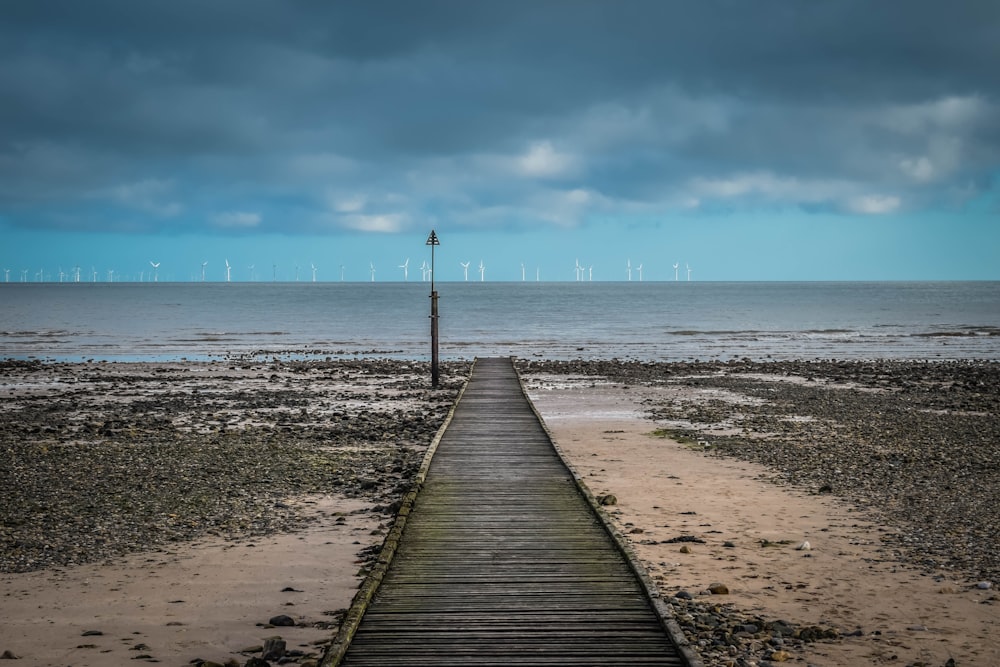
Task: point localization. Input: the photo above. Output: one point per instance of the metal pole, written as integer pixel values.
(432, 241)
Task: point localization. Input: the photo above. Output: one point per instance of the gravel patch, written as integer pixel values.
(914, 445)
(101, 460)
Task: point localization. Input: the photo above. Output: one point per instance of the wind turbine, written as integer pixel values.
(228, 271)
(6, 275)
(313, 270)
(425, 270)
(371, 265)
(156, 270)
(251, 267)
(676, 266)
(24, 275)
(111, 275)
(341, 273)
(628, 268)
(93, 274)
(689, 270)
(578, 271)
(522, 272)
(482, 271)
(406, 269)
(203, 265)
(639, 269)
(76, 273)
(590, 273)
(274, 273)
(465, 267)
(296, 273)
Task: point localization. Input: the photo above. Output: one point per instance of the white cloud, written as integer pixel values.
(237, 219)
(842, 194)
(383, 224)
(543, 161)
(767, 185)
(566, 208)
(919, 169)
(874, 204)
(350, 204)
(950, 113)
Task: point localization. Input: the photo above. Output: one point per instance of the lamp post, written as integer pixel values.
(432, 241)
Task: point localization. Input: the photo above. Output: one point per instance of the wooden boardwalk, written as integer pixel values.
(502, 560)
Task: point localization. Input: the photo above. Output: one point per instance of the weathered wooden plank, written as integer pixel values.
(502, 561)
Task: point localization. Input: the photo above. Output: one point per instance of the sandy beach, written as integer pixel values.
(169, 512)
(113, 551)
(828, 562)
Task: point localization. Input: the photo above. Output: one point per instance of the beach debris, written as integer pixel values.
(274, 648)
(768, 543)
(805, 546)
(684, 538)
(984, 585)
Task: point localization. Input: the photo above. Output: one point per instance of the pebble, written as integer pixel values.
(870, 432)
(140, 456)
(607, 499)
(274, 648)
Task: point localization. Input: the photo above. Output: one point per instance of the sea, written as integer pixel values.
(647, 321)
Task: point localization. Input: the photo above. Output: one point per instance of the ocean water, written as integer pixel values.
(666, 321)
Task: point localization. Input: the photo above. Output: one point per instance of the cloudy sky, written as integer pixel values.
(750, 140)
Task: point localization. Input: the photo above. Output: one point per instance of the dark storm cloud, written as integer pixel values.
(366, 115)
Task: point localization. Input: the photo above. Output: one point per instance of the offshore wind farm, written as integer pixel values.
(198, 272)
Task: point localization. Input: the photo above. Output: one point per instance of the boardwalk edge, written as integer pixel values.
(663, 610)
(337, 648)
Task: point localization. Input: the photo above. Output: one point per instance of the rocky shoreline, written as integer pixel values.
(106, 459)
(916, 445)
